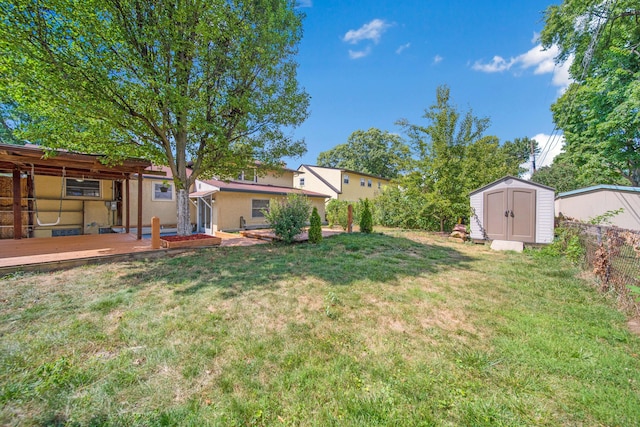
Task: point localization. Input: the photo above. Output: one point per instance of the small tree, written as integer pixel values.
(337, 213)
(366, 219)
(315, 228)
(288, 216)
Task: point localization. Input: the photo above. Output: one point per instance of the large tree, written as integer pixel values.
(212, 82)
(373, 151)
(599, 111)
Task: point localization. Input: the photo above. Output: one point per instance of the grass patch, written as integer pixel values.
(400, 328)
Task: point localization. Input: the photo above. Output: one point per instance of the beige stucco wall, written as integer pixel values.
(587, 206)
(282, 179)
(353, 191)
(166, 210)
(230, 206)
(88, 214)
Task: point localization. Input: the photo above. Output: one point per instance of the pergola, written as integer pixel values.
(34, 160)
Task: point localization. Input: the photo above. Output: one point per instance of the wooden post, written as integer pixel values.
(349, 219)
(155, 232)
(140, 205)
(127, 223)
(17, 205)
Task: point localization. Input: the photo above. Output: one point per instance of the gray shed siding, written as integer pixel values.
(545, 213)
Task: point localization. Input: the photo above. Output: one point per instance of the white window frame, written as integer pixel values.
(361, 182)
(345, 179)
(369, 183)
(163, 196)
(301, 182)
(85, 190)
(256, 211)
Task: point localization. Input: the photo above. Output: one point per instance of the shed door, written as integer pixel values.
(510, 214)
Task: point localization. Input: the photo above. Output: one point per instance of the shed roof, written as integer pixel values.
(601, 187)
(505, 178)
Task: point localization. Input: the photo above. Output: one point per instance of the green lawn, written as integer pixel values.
(397, 329)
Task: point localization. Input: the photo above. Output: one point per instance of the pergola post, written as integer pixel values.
(17, 205)
(127, 221)
(140, 205)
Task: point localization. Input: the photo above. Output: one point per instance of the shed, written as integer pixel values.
(513, 209)
(586, 204)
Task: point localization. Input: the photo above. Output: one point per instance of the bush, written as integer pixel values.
(366, 219)
(315, 228)
(337, 213)
(287, 217)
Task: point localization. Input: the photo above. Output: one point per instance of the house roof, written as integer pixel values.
(241, 187)
(505, 178)
(601, 187)
(346, 170)
(52, 162)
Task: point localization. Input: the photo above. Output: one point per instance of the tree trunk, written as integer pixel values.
(184, 217)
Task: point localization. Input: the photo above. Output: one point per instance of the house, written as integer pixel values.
(238, 204)
(48, 194)
(588, 203)
(514, 210)
(340, 184)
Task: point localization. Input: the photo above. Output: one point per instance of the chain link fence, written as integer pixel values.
(613, 254)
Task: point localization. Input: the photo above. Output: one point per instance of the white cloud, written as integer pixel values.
(356, 54)
(542, 61)
(402, 48)
(437, 59)
(550, 147)
(370, 31)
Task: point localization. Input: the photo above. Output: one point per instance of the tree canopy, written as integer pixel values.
(209, 82)
(373, 151)
(599, 112)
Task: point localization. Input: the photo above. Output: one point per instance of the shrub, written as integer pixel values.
(315, 227)
(288, 216)
(366, 219)
(337, 213)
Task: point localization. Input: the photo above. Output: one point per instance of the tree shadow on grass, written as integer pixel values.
(339, 260)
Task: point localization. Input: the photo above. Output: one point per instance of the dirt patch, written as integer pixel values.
(634, 326)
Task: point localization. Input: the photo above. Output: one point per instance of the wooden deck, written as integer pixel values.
(53, 253)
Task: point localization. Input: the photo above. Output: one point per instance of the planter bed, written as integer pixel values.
(192, 241)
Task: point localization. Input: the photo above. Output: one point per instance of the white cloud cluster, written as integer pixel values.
(437, 59)
(541, 60)
(402, 48)
(371, 31)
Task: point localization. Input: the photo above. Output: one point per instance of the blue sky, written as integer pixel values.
(369, 63)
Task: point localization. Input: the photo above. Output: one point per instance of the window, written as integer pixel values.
(82, 187)
(369, 183)
(346, 179)
(361, 182)
(301, 182)
(162, 191)
(379, 186)
(257, 206)
(249, 175)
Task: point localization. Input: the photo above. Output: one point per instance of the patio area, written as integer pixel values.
(51, 253)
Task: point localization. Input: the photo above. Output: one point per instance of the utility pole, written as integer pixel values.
(533, 154)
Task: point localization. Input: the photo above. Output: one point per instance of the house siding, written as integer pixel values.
(351, 192)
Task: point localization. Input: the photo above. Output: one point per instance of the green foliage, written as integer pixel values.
(337, 213)
(374, 152)
(315, 227)
(598, 113)
(568, 174)
(567, 243)
(287, 217)
(211, 83)
(606, 217)
(366, 218)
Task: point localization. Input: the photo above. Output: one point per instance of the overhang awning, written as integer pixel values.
(199, 194)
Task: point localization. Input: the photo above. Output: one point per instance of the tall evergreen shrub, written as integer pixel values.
(315, 228)
(366, 219)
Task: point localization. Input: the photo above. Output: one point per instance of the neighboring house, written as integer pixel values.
(341, 184)
(235, 205)
(588, 203)
(512, 209)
